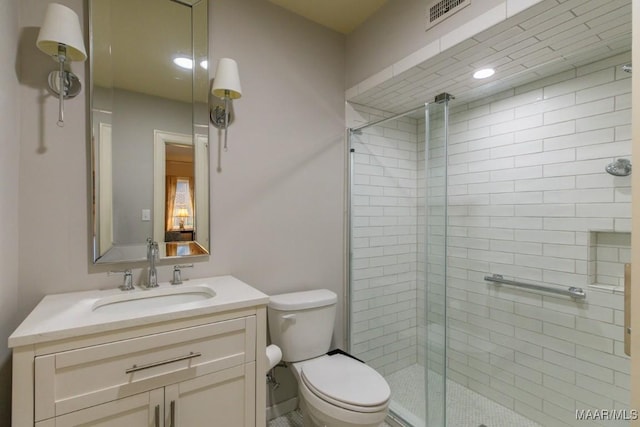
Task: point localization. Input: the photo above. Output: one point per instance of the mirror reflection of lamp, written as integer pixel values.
(61, 37)
(183, 214)
(226, 86)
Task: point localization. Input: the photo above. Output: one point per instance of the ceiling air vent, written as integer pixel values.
(438, 11)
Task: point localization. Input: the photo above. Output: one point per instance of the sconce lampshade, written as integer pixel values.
(227, 79)
(61, 26)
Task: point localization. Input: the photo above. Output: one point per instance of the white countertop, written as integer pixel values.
(71, 314)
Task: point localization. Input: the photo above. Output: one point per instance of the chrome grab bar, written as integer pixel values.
(573, 292)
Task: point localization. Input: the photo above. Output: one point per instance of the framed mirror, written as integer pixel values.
(149, 89)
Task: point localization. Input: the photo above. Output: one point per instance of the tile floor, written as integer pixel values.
(292, 419)
(408, 394)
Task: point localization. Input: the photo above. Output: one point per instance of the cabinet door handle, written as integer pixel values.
(136, 368)
(157, 416)
(173, 413)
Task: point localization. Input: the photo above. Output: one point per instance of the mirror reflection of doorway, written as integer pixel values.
(179, 197)
(173, 159)
(181, 189)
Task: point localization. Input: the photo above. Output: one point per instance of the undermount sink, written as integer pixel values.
(74, 314)
(152, 299)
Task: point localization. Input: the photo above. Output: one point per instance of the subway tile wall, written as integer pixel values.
(528, 198)
(384, 242)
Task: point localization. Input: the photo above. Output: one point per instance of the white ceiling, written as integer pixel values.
(342, 16)
(549, 37)
(543, 40)
(138, 58)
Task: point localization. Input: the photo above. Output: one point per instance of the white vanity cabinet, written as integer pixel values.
(193, 368)
(224, 398)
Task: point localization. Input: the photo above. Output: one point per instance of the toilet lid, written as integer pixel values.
(342, 380)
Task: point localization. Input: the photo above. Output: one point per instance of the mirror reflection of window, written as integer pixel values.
(182, 212)
(179, 198)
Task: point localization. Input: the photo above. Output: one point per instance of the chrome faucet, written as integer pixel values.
(152, 256)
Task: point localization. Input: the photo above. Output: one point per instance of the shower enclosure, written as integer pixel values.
(488, 245)
(398, 203)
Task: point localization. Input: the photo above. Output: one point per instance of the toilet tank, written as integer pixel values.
(301, 323)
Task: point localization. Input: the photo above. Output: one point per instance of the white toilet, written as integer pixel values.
(333, 390)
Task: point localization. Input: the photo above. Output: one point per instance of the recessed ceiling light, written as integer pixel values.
(484, 73)
(204, 64)
(183, 62)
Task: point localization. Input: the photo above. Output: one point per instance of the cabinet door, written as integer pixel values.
(225, 398)
(140, 410)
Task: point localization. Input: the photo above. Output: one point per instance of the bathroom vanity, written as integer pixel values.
(190, 355)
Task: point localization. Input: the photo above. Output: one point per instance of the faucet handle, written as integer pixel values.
(177, 274)
(127, 284)
(155, 250)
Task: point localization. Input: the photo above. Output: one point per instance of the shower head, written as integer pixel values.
(621, 167)
(627, 68)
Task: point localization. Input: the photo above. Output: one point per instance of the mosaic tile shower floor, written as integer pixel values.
(465, 408)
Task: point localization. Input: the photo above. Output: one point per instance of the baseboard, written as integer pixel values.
(281, 408)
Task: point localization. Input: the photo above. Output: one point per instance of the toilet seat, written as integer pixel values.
(346, 383)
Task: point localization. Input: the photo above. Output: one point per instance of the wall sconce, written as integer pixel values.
(61, 37)
(226, 86)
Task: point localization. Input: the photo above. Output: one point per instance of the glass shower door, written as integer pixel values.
(397, 257)
(433, 269)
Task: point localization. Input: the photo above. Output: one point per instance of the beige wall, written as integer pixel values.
(277, 206)
(277, 210)
(283, 170)
(9, 154)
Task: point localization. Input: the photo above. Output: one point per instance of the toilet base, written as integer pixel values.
(318, 413)
(306, 417)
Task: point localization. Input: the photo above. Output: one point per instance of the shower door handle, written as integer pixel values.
(627, 309)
